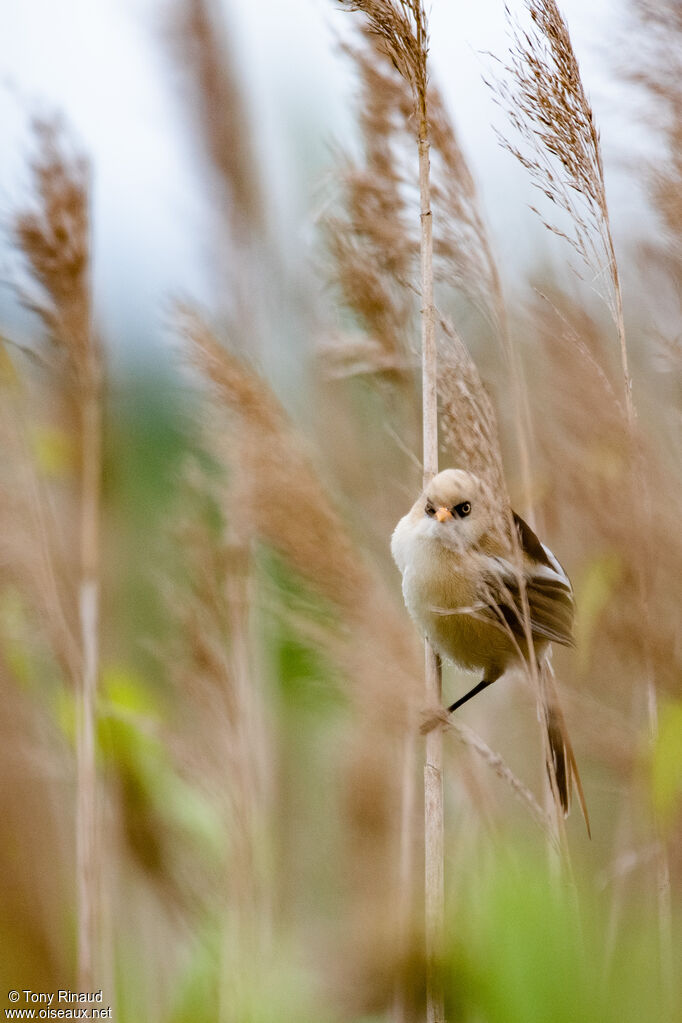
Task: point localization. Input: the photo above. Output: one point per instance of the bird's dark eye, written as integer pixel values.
(463, 509)
(430, 510)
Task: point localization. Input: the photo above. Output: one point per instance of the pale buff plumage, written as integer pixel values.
(464, 576)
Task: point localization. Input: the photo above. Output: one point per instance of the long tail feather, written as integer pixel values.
(563, 766)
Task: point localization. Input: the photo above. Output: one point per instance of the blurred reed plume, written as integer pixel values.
(374, 250)
(216, 110)
(597, 472)
(549, 108)
(55, 240)
(276, 497)
(219, 117)
(656, 66)
(225, 746)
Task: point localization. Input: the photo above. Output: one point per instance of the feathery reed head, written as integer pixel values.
(55, 239)
(369, 236)
(268, 459)
(401, 29)
(374, 244)
(546, 103)
(217, 102)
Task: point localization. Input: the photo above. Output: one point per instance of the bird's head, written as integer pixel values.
(455, 509)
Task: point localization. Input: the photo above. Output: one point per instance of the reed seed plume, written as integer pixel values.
(546, 103)
(596, 480)
(373, 236)
(227, 746)
(54, 237)
(463, 255)
(218, 111)
(401, 31)
(372, 246)
(468, 423)
(655, 64)
(301, 521)
(303, 524)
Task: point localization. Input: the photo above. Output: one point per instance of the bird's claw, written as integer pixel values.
(433, 717)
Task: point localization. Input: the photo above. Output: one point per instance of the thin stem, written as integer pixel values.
(88, 606)
(433, 767)
(88, 373)
(523, 427)
(408, 791)
(620, 327)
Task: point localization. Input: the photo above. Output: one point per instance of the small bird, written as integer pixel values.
(466, 580)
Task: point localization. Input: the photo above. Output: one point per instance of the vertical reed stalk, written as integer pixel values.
(88, 607)
(408, 802)
(433, 765)
(401, 30)
(55, 239)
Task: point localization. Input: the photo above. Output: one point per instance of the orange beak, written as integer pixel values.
(443, 513)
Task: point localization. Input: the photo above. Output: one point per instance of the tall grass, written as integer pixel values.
(55, 240)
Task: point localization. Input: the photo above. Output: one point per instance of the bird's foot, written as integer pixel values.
(433, 717)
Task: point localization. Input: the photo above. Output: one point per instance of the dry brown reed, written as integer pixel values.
(549, 108)
(546, 103)
(654, 64)
(374, 247)
(619, 553)
(596, 476)
(403, 33)
(371, 277)
(223, 747)
(55, 240)
(219, 117)
(373, 237)
(277, 498)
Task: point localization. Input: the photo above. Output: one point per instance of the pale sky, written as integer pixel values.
(105, 64)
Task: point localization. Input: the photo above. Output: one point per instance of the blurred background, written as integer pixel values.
(183, 251)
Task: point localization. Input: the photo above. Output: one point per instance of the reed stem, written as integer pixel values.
(433, 766)
(88, 608)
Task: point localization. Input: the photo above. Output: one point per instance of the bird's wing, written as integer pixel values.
(548, 591)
